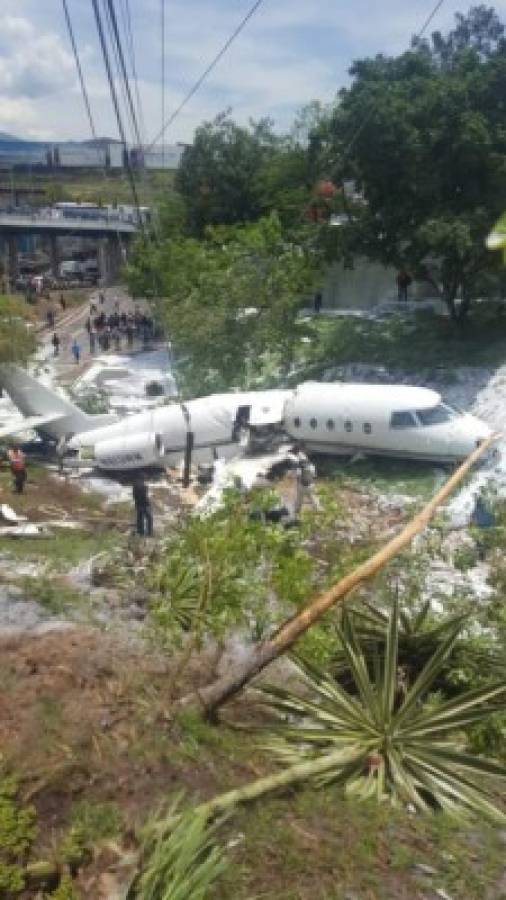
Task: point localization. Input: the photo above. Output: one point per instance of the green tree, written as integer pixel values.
(217, 174)
(230, 299)
(423, 134)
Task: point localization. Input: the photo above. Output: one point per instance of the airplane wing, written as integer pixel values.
(28, 423)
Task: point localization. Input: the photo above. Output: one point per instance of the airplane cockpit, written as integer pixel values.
(424, 418)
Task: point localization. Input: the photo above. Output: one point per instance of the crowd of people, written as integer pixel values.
(118, 330)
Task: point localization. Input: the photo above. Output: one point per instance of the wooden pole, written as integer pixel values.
(215, 695)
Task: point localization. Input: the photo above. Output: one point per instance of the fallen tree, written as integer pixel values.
(210, 698)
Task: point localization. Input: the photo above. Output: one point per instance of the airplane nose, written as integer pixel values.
(475, 431)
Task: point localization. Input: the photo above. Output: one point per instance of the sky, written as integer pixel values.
(290, 52)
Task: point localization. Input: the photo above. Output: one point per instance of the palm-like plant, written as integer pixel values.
(419, 636)
(180, 858)
(387, 739)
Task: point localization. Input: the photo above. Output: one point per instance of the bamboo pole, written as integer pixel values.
(215, 695)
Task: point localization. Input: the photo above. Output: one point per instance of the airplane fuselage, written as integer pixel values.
(341, 419)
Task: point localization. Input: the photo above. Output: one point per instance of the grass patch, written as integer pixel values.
(385, 476)
(90, 824)
(56, 597)
(420, 342)
(96, 186)
(65, 549)
(316, 845)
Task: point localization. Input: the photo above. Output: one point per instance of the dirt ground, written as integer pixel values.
(83, 718)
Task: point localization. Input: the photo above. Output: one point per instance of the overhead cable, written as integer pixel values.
(84, 92)
(127, 19)
(114, 97)
(123, 70)
(206, 72)
(162, 29)
(368, 115)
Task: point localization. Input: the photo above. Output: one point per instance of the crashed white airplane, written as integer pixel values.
(337, 418)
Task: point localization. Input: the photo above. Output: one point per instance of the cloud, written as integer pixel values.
(33, 64)
(290, 52)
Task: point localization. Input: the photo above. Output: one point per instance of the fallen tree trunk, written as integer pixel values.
(215, 695)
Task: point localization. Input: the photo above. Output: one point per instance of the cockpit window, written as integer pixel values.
(403, 420)
(438, 415)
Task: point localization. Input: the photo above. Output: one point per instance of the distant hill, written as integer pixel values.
(99, 142)
(4, 136)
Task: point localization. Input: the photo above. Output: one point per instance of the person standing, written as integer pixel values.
(63, 303)
(143, 513)
(18, 469)
(93, 340)
(76, 351)
(55, 340)
(317, 303)
(403, 282)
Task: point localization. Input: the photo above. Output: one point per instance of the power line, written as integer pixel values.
(429, 19)
(114, 97)
(84, 92)
(162, 28)
(368, 115)
(127, 20)
(122, 67)
(206, 72)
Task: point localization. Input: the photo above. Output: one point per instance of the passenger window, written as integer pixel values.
(403, 420)
(330, 425)
(313, 423)
(367, 427)
(296, 422)
(348, 426)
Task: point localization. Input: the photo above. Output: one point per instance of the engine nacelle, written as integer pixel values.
(128, 452)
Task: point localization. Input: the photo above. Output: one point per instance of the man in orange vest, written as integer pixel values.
(18, 469)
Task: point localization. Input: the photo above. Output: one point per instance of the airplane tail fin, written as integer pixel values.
(35, 399)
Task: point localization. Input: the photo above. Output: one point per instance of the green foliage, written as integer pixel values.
(228, 570)
(54, 596)
(465, 558)
(428, 151)
(64, 891)
(472, 662)
(17, 831)
(218, 172)
(90, 824)
(416, 344)
(95, 821)
(16, 340)
(231, 298)
(181, 860)
(388, 738)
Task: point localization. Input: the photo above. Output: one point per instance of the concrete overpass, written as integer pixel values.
(111, 232)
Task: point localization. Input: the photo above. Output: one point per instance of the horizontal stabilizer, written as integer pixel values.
(29, 423)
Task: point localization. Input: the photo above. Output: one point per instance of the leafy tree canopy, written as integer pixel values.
(217, 174)
(424, 136)
(231, 298)
(232, 174)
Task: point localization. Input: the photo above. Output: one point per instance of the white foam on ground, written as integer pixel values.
(123, 379)
(490, 406)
